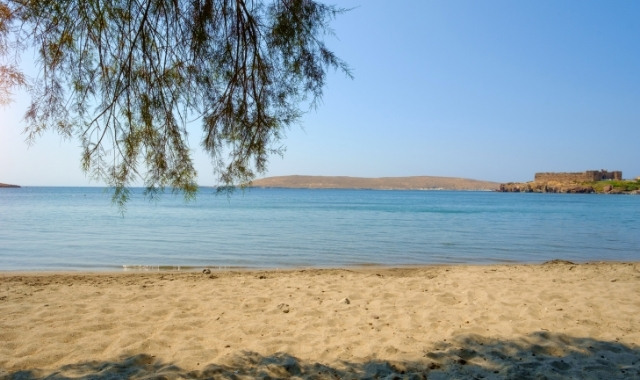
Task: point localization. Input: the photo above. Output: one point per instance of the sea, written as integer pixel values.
(80, 229)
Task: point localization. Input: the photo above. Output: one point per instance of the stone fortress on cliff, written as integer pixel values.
(585, 182)
(586, 176)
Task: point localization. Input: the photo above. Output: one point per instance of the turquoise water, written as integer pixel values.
(79, 229)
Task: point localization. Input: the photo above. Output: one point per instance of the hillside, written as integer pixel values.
(385, 183)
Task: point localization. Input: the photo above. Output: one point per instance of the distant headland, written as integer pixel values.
(383, 183)
(7, 185)
(590, 181)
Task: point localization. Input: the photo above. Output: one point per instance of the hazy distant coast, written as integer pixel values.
(384, 183)
(7, 185)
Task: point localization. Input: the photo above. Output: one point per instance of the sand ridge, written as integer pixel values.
(502, 321)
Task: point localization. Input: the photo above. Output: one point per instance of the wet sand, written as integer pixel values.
(557, 320)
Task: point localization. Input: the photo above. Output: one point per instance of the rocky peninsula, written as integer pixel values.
(591, 181)
(546, 187)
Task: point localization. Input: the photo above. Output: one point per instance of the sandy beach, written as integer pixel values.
(556, 320)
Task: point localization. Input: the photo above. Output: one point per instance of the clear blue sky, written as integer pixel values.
(493, 90)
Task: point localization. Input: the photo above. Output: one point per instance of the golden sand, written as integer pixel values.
(505, 321)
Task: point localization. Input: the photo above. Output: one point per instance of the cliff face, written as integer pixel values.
(546, 187)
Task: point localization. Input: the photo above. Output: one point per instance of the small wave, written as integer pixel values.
(155, 268)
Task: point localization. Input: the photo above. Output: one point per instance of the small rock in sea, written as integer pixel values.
(206, 271)
(345, 301)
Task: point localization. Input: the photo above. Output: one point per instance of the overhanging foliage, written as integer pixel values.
(127, 77)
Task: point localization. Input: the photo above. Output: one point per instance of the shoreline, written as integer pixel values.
(191, 271)
(558, 319)
(133, 269)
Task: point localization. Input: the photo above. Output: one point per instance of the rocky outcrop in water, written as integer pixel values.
(561, 187)
(546, 187)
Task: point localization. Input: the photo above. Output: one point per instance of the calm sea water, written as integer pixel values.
(80, 229)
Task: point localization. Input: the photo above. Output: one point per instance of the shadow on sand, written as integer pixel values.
(539, 356)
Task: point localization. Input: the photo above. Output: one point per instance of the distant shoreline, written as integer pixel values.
(383, 183)
(6, 185)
